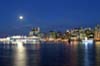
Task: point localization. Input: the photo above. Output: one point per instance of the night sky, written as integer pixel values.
(47, 14)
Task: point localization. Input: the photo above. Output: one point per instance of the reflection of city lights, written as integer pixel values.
(87, 42)
(20, 44)
(74, 42)
(97, 42)
(51, 39)
(86, 55)
(20, 55)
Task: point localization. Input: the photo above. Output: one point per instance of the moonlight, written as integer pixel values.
(20, 17)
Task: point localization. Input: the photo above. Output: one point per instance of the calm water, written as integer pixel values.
(50, 54)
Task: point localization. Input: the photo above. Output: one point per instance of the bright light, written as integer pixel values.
(20, 44)
(21, 17)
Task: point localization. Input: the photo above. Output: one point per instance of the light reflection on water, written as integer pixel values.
(20, 56)
(49, 54)
(97, 46)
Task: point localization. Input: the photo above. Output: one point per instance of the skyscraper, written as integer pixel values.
(97, 33)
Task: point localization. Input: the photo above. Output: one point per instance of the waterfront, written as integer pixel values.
(50, 54)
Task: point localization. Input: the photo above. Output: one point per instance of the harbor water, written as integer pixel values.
(50, 54)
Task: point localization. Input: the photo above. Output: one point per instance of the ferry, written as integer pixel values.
(22, 39)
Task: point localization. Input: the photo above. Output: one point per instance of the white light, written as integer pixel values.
(21, 17)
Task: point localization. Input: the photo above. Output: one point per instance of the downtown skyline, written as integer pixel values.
(48, 15)
(49, 32)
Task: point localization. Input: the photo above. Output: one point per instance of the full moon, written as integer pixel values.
(20, 17)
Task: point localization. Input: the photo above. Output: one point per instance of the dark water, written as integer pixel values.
(50, 54)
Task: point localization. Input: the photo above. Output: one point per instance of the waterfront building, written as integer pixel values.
(52, 34)
(73, 37)
(89, 33)
(59, 35)
(31, 33)
(34, 32)
(74, 34)
(41, 35)
(97, 33)
(67, 34)
(82, 36)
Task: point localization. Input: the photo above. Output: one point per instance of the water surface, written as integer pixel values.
(50, 54)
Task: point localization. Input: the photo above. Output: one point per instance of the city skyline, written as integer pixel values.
(53, 14)
(49, 32)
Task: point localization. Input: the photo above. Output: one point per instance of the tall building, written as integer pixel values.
(52, 34)
(34, 32)
(59, 35)
(82, 34)
(89, 33)
(74, 34)
(67, 34)
(97, 33)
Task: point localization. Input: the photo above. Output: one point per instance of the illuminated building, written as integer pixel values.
(59, 35)
(97, 33)
(31, 33)
(82, 34)
(34, 32)
(67, 34)
(89, 33)
(74, 34)
(52, 34)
